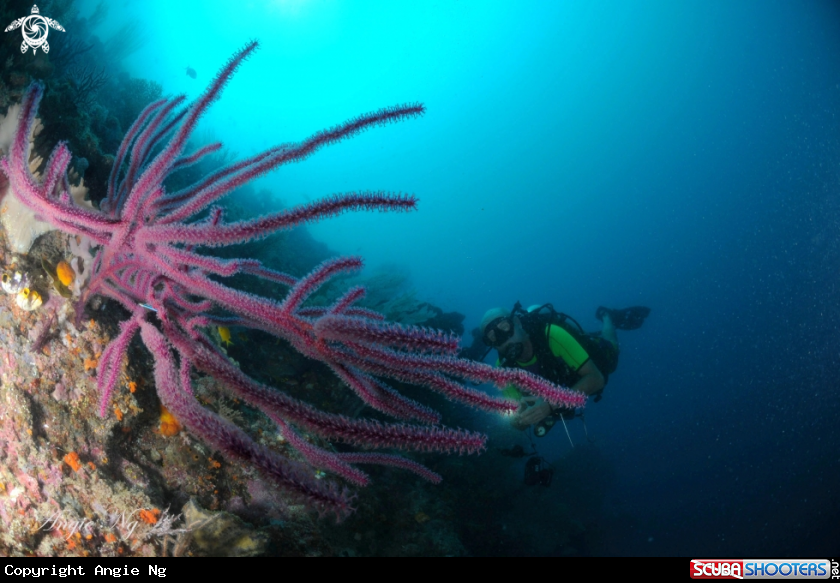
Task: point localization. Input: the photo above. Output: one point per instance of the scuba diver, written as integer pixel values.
(554, 346)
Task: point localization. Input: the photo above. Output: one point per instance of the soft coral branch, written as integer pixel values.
(230, 439)
(149, 260)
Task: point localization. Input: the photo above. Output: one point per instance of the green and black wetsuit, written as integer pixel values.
(560, 352)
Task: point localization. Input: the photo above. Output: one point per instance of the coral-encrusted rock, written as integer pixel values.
(220, 534)
(19, 222)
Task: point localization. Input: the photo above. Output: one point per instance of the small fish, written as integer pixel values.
(224, 334)
(14, 281)
(191, 73)
(28, 299)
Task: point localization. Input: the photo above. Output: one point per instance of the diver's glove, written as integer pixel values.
(531, 411)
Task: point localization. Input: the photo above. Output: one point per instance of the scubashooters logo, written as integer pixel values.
(761, 569)
(35, 29)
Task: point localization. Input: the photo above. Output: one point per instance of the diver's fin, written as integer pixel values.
(626, 319)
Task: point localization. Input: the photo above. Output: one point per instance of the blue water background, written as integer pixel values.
(680, 155)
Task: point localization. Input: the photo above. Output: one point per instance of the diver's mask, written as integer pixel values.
(503, 335)
(499, 331)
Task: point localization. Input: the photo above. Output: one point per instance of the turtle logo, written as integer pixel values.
(34, 28)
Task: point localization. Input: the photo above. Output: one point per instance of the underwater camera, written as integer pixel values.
(538, 472)
(542, 428)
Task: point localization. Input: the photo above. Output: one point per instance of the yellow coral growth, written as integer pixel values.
(72, 460)
(169, 426)
(65, 273)
(150, 516)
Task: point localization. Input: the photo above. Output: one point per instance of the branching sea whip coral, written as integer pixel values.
(148, 263)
